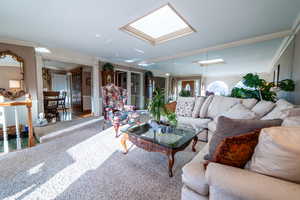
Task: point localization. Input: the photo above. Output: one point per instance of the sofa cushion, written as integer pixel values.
(249, 103)
(198, 104)
(262, 108)
(277, 153)
(212, 126)
(196, 123)
(277, 112)
(291, 112)
(291, 121)
(189, 194)
(239, 111)
(236, 151)
(205, 105)
(193, 176)
(185, 106)
(227, 127)
(221, 104)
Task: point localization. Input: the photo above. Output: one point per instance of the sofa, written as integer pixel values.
(224, 182)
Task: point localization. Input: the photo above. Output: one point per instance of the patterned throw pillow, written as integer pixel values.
(185, 106)
(236, 151)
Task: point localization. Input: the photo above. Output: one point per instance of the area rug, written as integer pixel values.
(89, 164)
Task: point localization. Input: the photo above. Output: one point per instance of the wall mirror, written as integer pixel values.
(11, 75)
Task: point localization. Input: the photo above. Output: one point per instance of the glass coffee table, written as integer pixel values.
(152, 140)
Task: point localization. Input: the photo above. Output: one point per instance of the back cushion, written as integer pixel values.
(278, 111)
(221, 104)
(262, 108)
(205, 105)
(185, 106)
(197, 107)
(277, 153)
(249, 103)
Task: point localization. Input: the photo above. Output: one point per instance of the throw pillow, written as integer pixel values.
(277, 112)
(236, 151)
(185, 106)
(262, 108)
(239, 111)
(197, 107)
(277, 153)
(205, 105)
(227, 127)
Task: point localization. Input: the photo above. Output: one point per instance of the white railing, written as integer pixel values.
(28, 104)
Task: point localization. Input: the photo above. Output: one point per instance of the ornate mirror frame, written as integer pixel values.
(14, 94)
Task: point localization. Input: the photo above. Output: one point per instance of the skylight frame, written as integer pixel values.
(154, 41)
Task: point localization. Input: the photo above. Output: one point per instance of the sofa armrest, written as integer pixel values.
(246, 184)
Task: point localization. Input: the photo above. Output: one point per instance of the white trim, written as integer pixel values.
(225, 45)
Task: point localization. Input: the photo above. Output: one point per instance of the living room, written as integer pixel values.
(150, 99)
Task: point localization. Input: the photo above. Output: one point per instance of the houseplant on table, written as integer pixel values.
(157, 108)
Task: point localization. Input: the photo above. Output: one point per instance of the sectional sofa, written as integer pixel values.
(221, 182)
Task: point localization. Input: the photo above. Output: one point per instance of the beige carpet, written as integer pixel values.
(88, 164)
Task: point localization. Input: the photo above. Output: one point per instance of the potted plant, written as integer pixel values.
(157, 108)
(157, 104)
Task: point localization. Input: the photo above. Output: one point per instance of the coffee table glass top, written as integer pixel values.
(175, 138)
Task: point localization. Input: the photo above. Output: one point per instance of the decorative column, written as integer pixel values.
(129, 87)
(96, 108)
(31, 141)
(17, 128)
(69, 90)
(39, 78)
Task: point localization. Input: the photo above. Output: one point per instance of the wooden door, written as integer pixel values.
(77, 105)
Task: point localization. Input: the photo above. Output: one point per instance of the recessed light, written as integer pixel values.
(140, 51)
(145, 64)
(159, 26)
(130, 61)
(167, 74)
(42, 50)
(98, 35)
(211, 62)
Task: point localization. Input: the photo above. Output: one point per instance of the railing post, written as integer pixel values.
(31, 141)
(17, 128)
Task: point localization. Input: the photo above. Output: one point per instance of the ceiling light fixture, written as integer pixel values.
(160, 25)
(145, 64)
(140, 51)
(130, 60)
(211, 62)
(42, 50)
(98, 35)
(167, 74)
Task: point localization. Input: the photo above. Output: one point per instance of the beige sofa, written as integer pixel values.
(225, 182)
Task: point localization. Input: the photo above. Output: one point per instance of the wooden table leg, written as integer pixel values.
(195, 140)
(171, 163)
(123, 142)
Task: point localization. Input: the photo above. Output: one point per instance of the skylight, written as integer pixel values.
(159, 26)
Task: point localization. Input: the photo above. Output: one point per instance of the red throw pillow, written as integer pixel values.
(236, 151)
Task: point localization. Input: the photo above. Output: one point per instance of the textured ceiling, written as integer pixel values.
(74, 24)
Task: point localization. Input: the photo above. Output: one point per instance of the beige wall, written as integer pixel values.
(295, 96)
(28, 55)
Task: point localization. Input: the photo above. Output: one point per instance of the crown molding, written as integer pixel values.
(248, 41)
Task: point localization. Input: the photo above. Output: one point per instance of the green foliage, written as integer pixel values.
(108, 67)
(253, 81)
(260, 89)
(185, 93)
(171, 116)
(287, 85)
(157, 104)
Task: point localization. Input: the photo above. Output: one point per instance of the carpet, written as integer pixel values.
(88, 164)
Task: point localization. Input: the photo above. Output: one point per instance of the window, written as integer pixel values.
(218, 88)
(159, 26)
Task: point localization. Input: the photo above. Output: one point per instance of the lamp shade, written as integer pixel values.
(14, 84)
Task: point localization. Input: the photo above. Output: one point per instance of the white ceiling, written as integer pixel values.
(74, 24)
